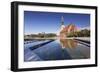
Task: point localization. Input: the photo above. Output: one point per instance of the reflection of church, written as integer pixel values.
(64, 30)
(68, 43)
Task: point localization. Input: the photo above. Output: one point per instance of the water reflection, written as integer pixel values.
(62, 49)
(75, 49)
(68, 43)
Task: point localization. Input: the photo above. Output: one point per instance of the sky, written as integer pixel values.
(50, 22)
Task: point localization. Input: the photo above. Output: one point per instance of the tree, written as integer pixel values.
(81, 33)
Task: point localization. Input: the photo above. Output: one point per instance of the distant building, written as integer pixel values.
(64, 30)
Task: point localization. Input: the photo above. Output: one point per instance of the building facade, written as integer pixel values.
(65, 30)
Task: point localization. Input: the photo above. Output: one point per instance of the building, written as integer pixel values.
(65, 30)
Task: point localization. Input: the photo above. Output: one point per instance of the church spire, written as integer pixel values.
(62, 20)
(62, 24)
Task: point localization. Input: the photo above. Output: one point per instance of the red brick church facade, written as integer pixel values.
(64, 30)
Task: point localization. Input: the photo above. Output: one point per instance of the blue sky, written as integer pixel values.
(50, 22)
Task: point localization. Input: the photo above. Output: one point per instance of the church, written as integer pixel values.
(65, 30)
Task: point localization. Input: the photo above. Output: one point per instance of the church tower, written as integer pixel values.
(62, 24)
(62, 20)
